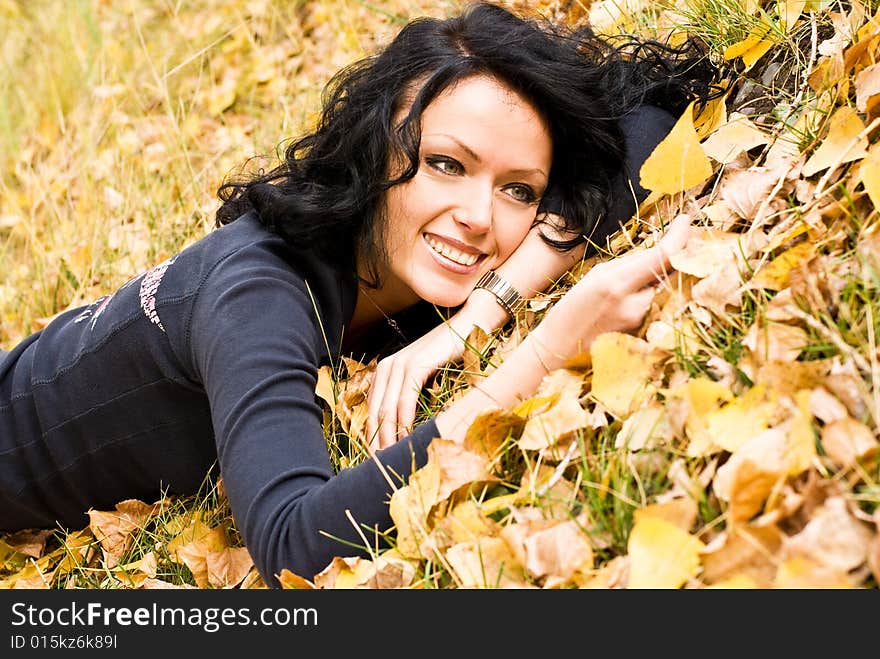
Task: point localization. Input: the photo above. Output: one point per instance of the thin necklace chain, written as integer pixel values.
(391, 322)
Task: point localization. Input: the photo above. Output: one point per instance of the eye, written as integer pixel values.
(445, 165)
(522, 193)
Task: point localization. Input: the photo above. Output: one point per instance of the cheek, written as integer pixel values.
(510, 232)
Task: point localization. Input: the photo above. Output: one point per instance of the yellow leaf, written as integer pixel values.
(465, 523)
(114, 529)
(775, 275)
(410, 506)
(800, 441)
(644, 428)
(736, 582)
(292, 581)
(869, 173)
(701, 396)
(661, 554)
(711, 115)
(623, 366)
(678, 163)
(833, 538)
(775, 341)
(545, 429)
(742, 418)
(324, 388)
(754, 46)
(844, 142)
(790, 11)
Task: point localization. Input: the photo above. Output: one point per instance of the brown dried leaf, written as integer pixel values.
(846, 441)
(743, 550)
(775, 342)
(195, 554)
(228, 567)
(29, 542)
(550, 549)
(832, 538)
(114, 529)
(486, 563)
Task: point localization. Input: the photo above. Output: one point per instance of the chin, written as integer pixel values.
(444, 298)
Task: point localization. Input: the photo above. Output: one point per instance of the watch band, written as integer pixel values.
(507, 296)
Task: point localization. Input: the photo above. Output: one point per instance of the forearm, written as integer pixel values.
(544, 349)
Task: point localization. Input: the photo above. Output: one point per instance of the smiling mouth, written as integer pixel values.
(451, 253)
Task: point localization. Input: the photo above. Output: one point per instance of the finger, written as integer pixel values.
(374, 401)
(388, 408)
(650, 265)
(408, 401)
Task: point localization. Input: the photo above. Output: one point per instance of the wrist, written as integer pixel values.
(483, 309)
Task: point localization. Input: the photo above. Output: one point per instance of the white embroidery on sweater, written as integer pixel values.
(149, 286)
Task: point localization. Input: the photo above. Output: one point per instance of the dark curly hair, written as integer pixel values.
(327, 194)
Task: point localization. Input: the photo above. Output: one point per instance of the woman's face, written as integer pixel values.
(484, 162)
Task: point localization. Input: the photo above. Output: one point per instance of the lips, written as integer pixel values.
(464, 255)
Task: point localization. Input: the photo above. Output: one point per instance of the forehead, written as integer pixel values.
(486, 114)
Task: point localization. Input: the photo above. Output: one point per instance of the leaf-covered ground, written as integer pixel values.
(730, 442)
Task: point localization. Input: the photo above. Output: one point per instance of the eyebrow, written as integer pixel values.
(477, 158)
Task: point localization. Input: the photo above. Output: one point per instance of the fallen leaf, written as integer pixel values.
(802, 573)
(775, 275)
(681, 512)
(228, 567)
(734, 137)
(544, 430)
(682, 147)
(706, 251)
(832, 538)
(486, 563)
(742, 418)
(847, 441)
(844, 142)
(754, 46)
(623, 366)
(743, 551)
(550, 549)
(661, 555)
(775, 341)
(195, 554)
(647, 427)
(114, 529)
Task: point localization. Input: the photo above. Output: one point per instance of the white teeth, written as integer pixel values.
(451, 253)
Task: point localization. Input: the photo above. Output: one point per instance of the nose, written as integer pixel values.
(475, 210)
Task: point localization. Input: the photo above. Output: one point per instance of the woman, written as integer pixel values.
(425, 174)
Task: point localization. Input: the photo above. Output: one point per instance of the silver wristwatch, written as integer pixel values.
(507, 296)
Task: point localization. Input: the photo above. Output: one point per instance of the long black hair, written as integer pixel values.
(327, 193)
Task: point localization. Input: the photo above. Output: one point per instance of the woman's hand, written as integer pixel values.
(614, 296)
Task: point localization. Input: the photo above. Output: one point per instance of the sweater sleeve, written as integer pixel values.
(254, 342)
